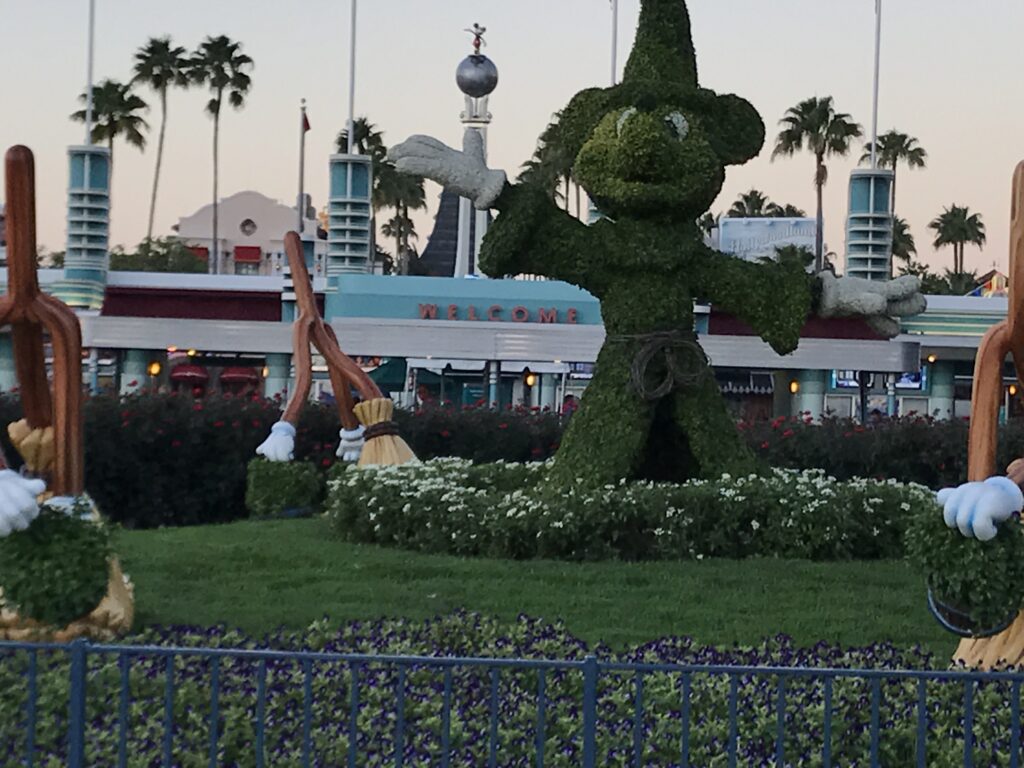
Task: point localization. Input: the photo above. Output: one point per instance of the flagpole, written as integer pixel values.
(88, 90)
(878, 69)
(302, 169)
(352, 84)
(615, 42)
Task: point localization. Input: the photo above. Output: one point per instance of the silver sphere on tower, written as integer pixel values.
(477, 75)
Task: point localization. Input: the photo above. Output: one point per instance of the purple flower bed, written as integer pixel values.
(470, 635)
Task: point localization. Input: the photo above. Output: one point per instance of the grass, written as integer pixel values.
(260, 575)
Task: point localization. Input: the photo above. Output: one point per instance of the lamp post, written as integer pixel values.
(878, 68)
(615, 42)
(352, 82)
(89, 78)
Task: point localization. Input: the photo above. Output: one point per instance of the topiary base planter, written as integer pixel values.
(957, 619)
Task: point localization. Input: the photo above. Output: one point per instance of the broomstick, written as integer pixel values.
(1006, 338)
(50, 437)
(383, 444)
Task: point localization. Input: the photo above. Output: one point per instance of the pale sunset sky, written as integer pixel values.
(951, 77)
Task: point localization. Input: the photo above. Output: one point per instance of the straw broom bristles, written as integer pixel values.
(386, 447)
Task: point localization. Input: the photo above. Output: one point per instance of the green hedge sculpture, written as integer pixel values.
(651, 153)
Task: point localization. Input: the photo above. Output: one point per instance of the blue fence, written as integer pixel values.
(124, 705)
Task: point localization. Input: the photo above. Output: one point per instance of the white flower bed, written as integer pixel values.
(505, 510)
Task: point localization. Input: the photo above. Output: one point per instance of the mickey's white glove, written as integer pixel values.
(465, 173)
(880, 303)
(351, 445)
(18, 506)
(976, 508)
(280, 446)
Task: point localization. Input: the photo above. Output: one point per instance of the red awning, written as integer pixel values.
(193, 373)
(200, 252)
(248, 254)
(239, 376)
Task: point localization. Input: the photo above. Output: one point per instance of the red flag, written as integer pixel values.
(305, 122)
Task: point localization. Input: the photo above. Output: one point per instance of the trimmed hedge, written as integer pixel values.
(283, 489)
(164, 459)
(506, 510)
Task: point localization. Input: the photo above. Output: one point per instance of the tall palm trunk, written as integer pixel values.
(159, 160)
(819, 237)
(578, 200)
(215, 264)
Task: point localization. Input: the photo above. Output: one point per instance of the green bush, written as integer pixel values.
(983, 579)
(56, 571)
(505, 510)
(165, 459)
(275, 489)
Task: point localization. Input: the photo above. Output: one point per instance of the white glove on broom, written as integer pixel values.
(18, 505)
(977, 508)
(351, 445)
(280, 445)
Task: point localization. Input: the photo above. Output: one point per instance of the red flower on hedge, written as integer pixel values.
(257, 423)
(445, 433)
(175, 443)
(218, 424)
(788, 433)
(503, 426)
(765, 446)
(326, 462)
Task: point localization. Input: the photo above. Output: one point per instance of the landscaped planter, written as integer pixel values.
(958, 620)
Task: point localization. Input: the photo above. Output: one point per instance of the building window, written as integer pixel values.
(247, 268)
(248, 227)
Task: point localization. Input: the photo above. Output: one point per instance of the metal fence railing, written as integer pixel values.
(104, 705)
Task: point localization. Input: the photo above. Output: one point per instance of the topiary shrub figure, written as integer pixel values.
(651, 153)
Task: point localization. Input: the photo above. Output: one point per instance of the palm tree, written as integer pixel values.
(749, 205)
(786, 211)
(220, 64)
(161, 66)
(893, 148)
(903, 246)
(115, 112)
(707, 223)
(826, 133)
(403, 193)
(957, 226)
(756, 205)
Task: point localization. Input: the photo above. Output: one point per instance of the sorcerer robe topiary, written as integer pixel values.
(651, 153)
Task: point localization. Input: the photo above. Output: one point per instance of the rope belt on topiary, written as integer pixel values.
(380, 430)
(686, 365)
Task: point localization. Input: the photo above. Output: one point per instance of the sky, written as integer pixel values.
(950, 77)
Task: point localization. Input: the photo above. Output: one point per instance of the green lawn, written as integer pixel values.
(257, 576)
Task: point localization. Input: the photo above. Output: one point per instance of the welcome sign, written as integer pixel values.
(496, 313)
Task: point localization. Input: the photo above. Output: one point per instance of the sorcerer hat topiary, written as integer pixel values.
(664, 46)
(662, 69)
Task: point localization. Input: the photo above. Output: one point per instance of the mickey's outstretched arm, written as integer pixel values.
(532, 236)
(773, 298)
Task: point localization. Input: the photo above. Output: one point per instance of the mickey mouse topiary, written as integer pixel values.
(651, 153)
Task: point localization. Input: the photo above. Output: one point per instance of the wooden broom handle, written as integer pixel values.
(310, 329)
(1006, 338)
(30, 312)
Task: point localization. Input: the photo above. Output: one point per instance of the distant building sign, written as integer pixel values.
(496, 313)
(753, 239)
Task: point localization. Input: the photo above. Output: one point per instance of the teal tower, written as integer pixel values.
(869, 225)
(349, 214)
(88, 240)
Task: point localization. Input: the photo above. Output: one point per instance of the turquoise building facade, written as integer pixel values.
(869, 225)
(88, 234)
